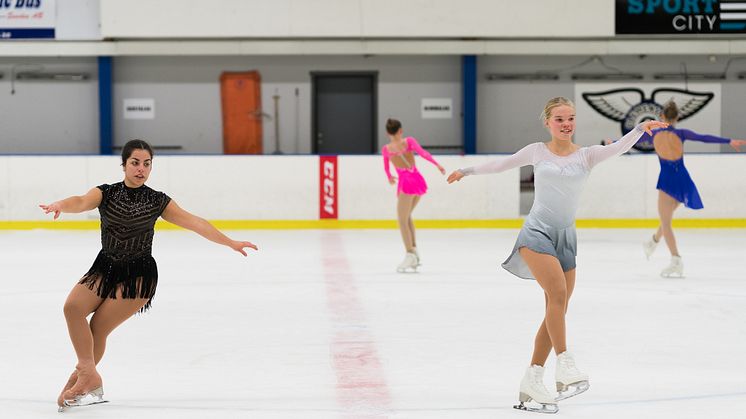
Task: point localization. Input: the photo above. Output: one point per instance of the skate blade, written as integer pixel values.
(72, 403)
(66, 407)
(543, 408)
(95, 396)
(407, 271)
(565, 391)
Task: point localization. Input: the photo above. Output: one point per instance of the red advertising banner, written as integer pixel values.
(328, 197)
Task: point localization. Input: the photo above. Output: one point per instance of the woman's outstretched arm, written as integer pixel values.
(688, 134)
(74, 204)
(176, 215)
(599, 153)
(523, 157)
(424, 154)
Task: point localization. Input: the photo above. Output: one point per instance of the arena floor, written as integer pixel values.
(317, 324)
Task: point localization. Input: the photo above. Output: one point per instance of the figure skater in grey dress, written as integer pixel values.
(546, 246)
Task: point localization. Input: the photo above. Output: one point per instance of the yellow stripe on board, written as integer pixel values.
(382, 224)
(654, 223)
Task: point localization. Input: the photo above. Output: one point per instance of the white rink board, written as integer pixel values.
(286, 187)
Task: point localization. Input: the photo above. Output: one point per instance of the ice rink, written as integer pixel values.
(317, 324)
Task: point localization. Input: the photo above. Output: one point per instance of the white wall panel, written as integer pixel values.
(43, 180)
(617, 188)
(721, 185)
(4, 189)
(286, 187)
(78, 20)
(365, 193)
(355, 19)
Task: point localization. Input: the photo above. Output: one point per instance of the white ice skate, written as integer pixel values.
(570, 381)
(95, 396)
(416, 253)
(648, 246)
(675, 268)
(409, 264)
(533, 389)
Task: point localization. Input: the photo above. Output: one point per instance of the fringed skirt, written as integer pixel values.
(130, 277)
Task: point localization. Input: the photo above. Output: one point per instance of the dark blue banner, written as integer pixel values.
(641, 17)
(26, 33)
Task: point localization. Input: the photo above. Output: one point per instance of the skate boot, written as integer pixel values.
(533, 389)
(70, 383)
(95, 396)
(409, 264)
(675, 268)
(648, 246)
(570, 381)
(416, 253)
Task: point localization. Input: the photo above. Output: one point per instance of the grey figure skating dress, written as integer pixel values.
(549, 227)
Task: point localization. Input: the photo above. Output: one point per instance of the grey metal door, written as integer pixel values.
(344, 113)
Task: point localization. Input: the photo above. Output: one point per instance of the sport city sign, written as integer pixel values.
(680, 17)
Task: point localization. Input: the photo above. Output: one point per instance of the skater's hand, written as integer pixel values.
(649, 126)
(238, 246)
(736, 144)
(607, 141)
(455, 176)
(392, 180)
(442, 170)
(54, 207)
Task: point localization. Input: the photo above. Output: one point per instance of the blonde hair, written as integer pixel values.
(553, 103)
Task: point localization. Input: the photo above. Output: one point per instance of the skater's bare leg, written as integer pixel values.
(109, 315)
(79, 304)
(548, 273)
(411, 223)
(666, 207)
(404, 206)
(542, 343)
(90, 341)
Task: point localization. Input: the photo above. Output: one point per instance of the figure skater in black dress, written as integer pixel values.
(124, 276)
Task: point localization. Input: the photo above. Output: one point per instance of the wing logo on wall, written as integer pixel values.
(630, 106)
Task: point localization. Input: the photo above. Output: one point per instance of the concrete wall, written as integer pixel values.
(62, 117)
(508, 111)
(45, 116)
(187, 97)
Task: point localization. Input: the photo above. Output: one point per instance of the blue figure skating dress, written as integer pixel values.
(674, 179)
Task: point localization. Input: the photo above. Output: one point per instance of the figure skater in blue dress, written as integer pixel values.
(675, 186)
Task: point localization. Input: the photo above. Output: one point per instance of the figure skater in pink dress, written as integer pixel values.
(410, 188)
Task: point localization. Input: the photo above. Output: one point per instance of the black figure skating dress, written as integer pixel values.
(125, 262)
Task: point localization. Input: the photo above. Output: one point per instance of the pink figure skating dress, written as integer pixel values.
(410, 180)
